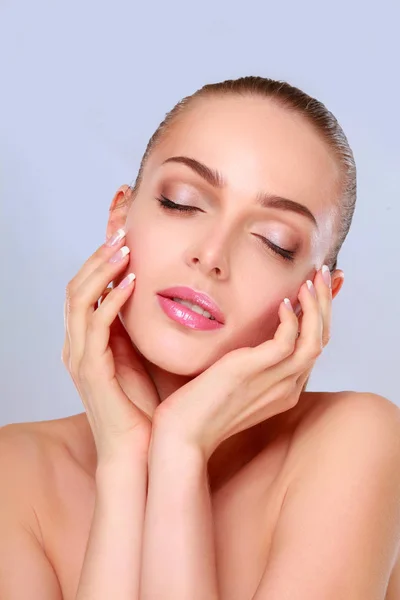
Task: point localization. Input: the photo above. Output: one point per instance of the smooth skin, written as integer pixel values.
(275, 495)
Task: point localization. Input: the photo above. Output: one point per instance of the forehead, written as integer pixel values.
(258, 146)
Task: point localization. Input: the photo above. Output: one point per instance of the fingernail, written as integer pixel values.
(116, 237)
(326, 275)
(119, 255)
(288, 304)
(127, 281)
(311, 287)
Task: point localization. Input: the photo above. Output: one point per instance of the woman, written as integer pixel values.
(201, 468)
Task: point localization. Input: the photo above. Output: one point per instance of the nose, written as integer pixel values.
(210, 256)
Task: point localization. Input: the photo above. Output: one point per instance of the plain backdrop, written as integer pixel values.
(84, 85)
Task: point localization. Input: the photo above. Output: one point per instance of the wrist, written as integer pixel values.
(122, 459)
(170, 431)
(173, 451)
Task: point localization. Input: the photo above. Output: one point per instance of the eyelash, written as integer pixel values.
(168, 205)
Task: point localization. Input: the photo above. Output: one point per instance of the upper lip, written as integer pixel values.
(196, 297)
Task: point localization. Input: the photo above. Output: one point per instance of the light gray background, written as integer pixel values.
(84, 85)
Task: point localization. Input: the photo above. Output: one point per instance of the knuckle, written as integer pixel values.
(291, 382)
(286, 388)
(292, 400)
(327, 338)
(77, 300)
(286, 347)
(290, 386)
(314, 350)
(302, 361)
(70, 290)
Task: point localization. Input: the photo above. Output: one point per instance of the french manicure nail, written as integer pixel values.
(119, 255)
(288, 304)
(326, 275)
(116, 237)
(311, 287)
(127, 281)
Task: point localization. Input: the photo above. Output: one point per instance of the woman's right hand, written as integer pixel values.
(100, 357)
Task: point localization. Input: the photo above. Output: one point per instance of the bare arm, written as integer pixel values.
(111, 568)
(119, 398)
(178, 539)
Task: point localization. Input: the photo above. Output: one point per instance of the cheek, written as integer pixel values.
(257, 309)
(149, 247)
(263, 323)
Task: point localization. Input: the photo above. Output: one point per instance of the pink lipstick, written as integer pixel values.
(174, 302)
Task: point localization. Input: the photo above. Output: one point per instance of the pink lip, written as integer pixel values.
(185, 315)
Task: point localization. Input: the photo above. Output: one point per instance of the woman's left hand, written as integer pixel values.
(252, 384)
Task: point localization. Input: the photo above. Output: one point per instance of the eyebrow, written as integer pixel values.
(265, 199)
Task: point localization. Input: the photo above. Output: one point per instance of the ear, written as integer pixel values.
(119, 209)
(337, 282)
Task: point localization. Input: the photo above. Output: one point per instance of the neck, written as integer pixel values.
(165, 383)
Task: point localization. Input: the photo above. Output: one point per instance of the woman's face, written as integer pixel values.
(223, 247)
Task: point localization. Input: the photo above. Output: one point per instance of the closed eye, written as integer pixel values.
(285, 254)
(168, 205)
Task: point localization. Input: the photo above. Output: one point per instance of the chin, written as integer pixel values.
(176, 365)
(174, 350)
(173, 356)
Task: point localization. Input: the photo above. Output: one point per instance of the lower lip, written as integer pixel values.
(185, 316)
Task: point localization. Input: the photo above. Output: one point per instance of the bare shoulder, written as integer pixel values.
(338, 529)
(40, 463)
(39, 443)
(325, 406)
(357, 418)
(36, 457)
(25, 455)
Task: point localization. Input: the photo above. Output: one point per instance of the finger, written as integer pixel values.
(121, 344)
(324, 294)
(309, 343)
(300, 381)
(98, 331)
(65, 351)
(282, 344)
(106, 250)
(102, 253)
(82, 301)
(103, 297)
